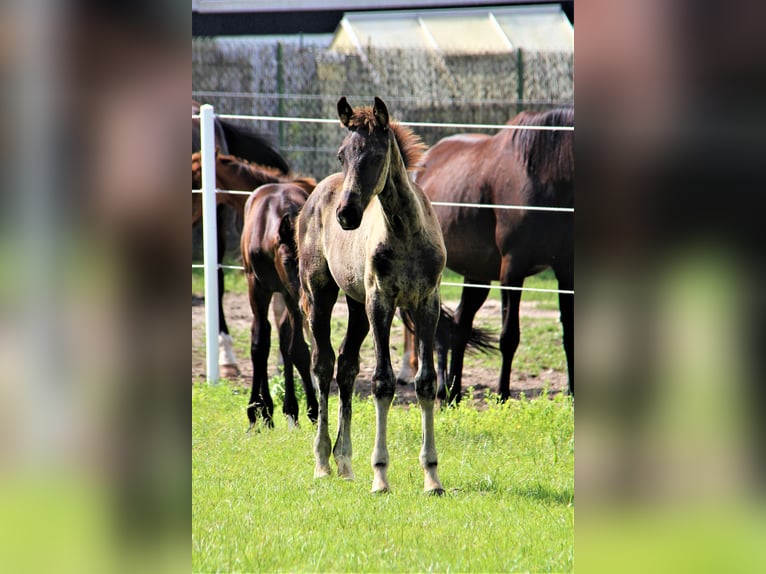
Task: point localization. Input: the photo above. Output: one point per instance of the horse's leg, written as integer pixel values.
(442, 343)
(290, 405)
(409, 358)
(319, 307)
(348, 369)
(299, 356)
(566, 310)
(260, 340)
(380, 313)
(277, 309)
(471, 300)
(510, 334)
(226, 357)
(426, 319)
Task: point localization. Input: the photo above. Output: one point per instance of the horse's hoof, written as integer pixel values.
(230, 371)
(322, 471)
(435, 492)
(402, 382)
(344, 467)
(380, 490)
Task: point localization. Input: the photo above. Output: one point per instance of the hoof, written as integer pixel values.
(435, 492)
(322, 471)
(230, 371)
(402, 382)
(379, 486)
(344, 467)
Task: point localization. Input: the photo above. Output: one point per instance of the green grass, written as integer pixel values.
(507, 469)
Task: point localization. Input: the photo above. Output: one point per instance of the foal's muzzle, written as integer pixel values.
(349, 215)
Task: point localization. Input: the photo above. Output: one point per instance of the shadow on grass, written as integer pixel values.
(537, 492)
(544, 494)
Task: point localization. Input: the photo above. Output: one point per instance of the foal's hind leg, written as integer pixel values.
(299, 355)
(425, 388)
(260, 340)
(348, 369)
(409, 358)
(290, 404)
(471, 300)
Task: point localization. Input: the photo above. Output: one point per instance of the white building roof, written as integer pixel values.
(470, 30)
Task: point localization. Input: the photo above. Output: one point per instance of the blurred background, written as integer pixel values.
(94, 416)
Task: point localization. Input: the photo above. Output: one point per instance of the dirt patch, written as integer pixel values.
(481, 378)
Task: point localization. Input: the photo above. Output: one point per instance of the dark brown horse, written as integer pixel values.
(251, 145)
(269, 255)
(233, 173)
(373, 233)
(513, 167)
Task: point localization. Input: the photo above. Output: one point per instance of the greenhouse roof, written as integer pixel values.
(453, 31)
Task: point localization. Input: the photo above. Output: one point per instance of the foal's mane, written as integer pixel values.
(410, 145)
(548, 155)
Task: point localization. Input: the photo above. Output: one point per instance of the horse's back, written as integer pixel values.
(268, 209)
(453, 171)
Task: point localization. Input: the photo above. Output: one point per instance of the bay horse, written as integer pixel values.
(234, 173)
(269, 255)
(251, 145)
(371, 232)
(512, 167)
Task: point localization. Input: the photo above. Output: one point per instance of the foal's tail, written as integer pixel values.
(479, 340)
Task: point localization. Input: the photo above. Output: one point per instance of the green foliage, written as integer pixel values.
(507, 468)
(234, 280)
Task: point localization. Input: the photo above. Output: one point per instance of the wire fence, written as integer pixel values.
(456, 126)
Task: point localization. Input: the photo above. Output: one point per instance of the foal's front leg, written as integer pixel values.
(348, 369)
(320, 306)
(380, 313)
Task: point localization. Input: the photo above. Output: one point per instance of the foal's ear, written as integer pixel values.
(344, 111)
(380, 112)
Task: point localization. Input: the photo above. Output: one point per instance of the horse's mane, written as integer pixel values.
(259, 172)
(547, 154)
(410, 145)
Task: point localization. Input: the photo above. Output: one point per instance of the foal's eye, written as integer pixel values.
(340, 159)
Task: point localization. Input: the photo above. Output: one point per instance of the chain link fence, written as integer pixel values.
(287, 78)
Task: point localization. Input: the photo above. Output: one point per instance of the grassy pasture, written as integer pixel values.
(507, 468)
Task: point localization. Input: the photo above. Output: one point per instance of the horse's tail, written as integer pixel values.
(479, 340)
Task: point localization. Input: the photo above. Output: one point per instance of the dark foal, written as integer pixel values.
(371, 232)
(234, 173)
(269, 255)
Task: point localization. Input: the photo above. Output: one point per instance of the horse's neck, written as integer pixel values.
(398, 198)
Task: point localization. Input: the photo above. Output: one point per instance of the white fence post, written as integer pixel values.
(209, 240)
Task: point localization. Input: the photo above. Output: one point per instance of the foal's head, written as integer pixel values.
(365, 156)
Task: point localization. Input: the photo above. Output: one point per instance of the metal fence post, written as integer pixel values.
(209, 240)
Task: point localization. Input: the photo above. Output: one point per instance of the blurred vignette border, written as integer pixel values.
(94, 416)
(669, 469)
(670, 310)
